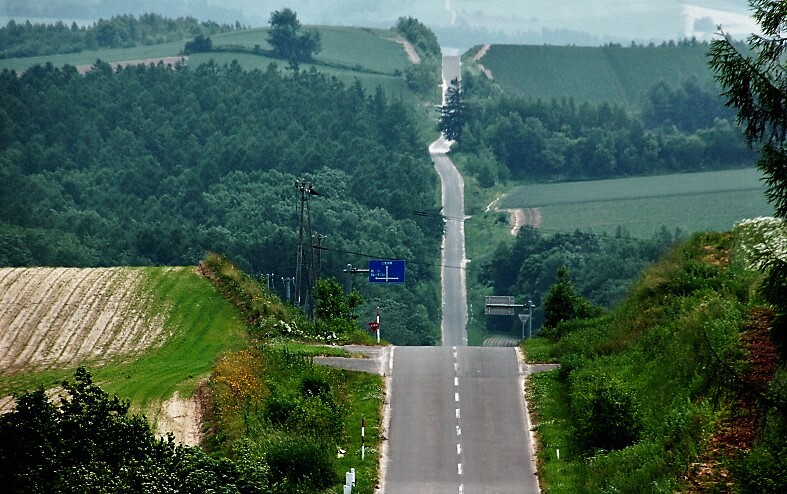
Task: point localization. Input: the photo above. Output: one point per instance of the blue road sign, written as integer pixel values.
(386, 271)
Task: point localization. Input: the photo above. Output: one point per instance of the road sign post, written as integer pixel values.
(387, 271)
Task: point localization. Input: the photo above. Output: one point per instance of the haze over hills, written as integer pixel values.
(458, 23)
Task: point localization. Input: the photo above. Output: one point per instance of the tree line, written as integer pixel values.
(684, 128)
(157, 166)
(601, 267)
(19, 40)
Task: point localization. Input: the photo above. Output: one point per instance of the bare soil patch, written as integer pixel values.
(182, 416)
(477, 59)
(412, 54)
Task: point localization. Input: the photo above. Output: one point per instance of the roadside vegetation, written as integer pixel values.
(668, 391)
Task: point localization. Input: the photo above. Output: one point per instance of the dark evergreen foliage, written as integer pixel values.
(452, 112)
(602, 267)
(560, 140)
(287, 39)
(122, 31)
(755, 85)
(150, 165)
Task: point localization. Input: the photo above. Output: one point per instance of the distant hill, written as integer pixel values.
(376, 57)
(595, 74)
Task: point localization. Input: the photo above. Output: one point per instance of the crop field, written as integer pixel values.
(691, 202)
(594, 74)
(370, 55)
(90, 57)
(145, 333)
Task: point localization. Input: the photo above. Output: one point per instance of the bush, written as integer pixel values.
(605, 413)
(300, 464)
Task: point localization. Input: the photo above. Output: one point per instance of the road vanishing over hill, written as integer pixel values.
(457, 418)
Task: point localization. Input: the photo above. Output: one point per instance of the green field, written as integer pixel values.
(594, 74)
(370, 55)
(691, 202)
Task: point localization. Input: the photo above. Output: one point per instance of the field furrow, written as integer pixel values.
(28, 303)
(57, 317)
(80, 319)
(124, 324)
(63, 298)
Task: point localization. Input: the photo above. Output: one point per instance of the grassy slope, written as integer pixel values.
(370, 55)
(670, 346)
(592, 74)
(201, 325)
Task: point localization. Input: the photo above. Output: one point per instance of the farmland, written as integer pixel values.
(146, 333)
(594, 74)
(691, 202)
(373, 56)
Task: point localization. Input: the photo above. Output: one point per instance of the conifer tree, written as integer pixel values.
(755, 83)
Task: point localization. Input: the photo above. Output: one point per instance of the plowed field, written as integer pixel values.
(61, 317)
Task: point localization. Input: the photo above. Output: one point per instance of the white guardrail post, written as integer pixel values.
(349, 481)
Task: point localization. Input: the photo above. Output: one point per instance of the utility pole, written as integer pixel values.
(269, 277)
(350, 270)
(318, 267)
(288, 283)
(306, 190)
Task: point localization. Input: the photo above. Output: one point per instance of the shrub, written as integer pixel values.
(605, 412)
(300, 464)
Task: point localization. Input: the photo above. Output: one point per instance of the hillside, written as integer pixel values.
(675, 390)
(376, 57)
(146, 332)
(594, 74)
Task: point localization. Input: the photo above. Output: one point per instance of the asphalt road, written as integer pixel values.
(454, 332)
(458, 423)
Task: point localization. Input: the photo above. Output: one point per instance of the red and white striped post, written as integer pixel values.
(378, 325)
(363, 438)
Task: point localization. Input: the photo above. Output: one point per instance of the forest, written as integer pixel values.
(158, 165)
(20, 40)
(601, 267)
(684, 127)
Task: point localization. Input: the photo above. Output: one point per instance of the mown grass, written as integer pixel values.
(89, 57)
(201, 324)
(371, 56)
(593, 74)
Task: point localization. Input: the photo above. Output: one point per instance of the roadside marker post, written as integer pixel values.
(363, 439)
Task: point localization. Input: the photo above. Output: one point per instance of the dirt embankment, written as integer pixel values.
(412, 55)
(518, 217)
(477, 59)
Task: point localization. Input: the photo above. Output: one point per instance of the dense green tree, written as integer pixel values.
(150, 165)
(755, 84)
(28, 40)
(88, 442)
(200, 44)
(452, 112)
(287, 39)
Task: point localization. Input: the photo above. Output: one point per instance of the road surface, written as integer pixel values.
(457, 421)
(454, 332)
